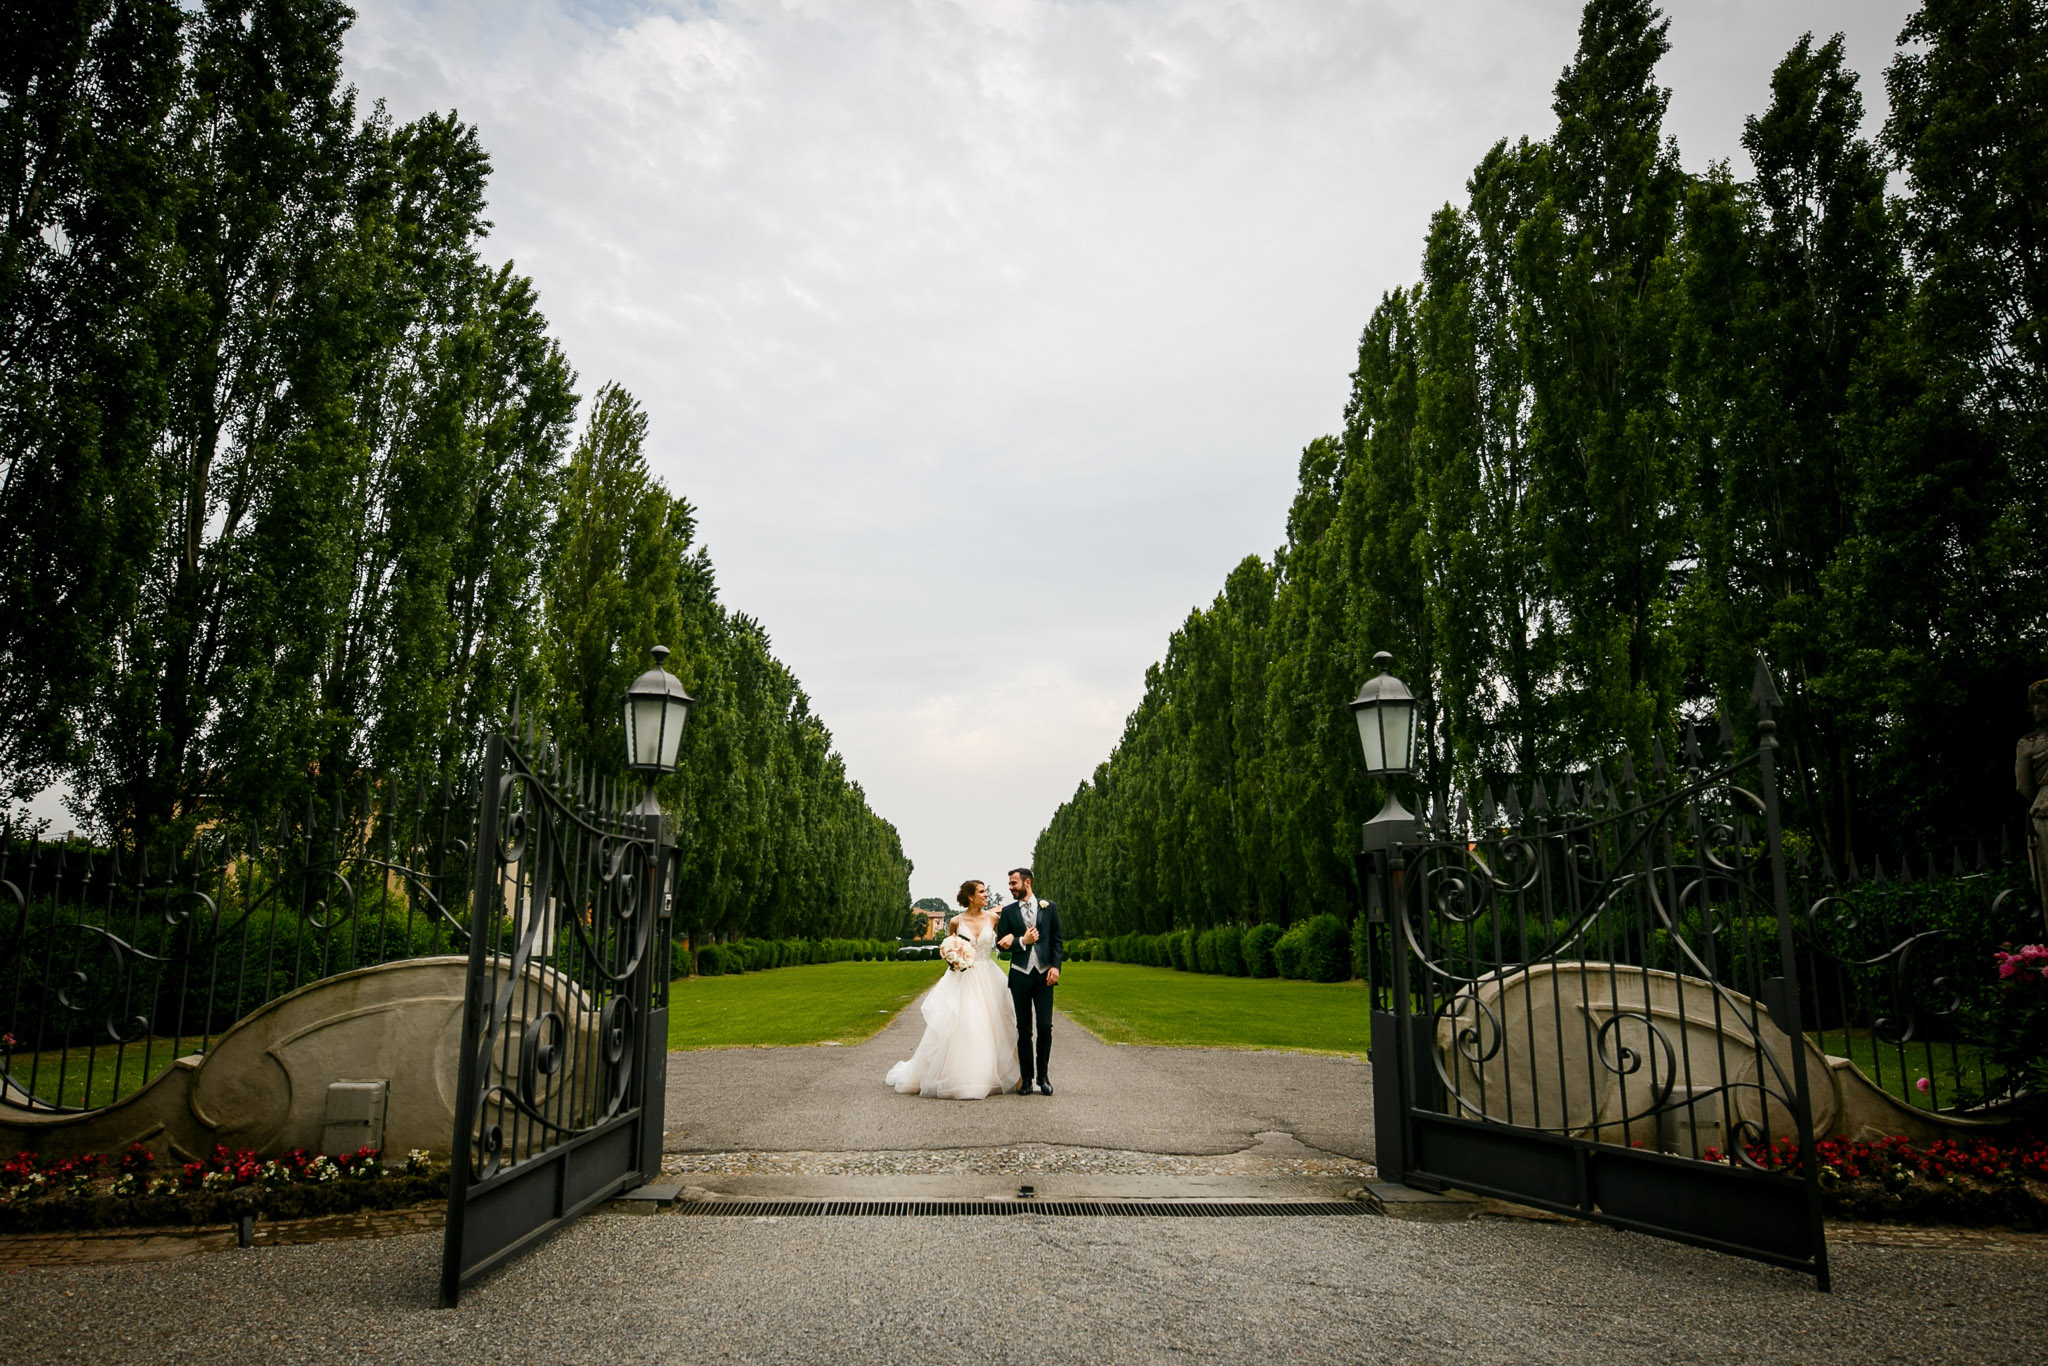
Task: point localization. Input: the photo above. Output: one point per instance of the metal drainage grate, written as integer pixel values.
(1151, 1209)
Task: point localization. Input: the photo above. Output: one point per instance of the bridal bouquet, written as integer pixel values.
(958, 953)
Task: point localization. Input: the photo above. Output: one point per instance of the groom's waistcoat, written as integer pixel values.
(1051, 943)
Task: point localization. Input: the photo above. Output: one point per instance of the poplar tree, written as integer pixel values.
(88, 189)
(1628, 429)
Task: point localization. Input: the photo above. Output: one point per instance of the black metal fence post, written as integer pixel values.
(654, 1073)
(1388, 1061)
(1764, 699)
(468, 1064)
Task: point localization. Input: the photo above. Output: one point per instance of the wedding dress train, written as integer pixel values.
(969, 1048)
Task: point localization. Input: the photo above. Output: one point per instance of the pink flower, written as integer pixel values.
(1922, 1083)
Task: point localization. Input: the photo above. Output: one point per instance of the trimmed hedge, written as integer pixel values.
(1327, 957)
(1258, 951)
(1221, 950)
(1229, 950)
(1314, 950)
(761, 955)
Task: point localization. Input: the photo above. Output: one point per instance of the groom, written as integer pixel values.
(1029, 930)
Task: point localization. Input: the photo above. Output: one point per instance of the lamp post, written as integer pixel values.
(1385, 711)
(657, 708)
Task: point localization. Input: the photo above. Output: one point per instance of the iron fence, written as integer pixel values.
(1894, 960)
(1898, 975)
(559, 1102)
(1585, 1005)
(115, 962)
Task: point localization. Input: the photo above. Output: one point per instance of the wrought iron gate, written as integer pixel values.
(563, 1070)
(1585, 1005)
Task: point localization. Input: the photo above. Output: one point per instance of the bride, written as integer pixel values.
(969, 1046)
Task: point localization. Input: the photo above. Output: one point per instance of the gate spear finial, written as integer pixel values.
(1763, 694)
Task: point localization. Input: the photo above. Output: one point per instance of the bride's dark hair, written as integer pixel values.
(966, 892)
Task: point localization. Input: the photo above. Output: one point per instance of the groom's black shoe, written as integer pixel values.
(1044, 1087)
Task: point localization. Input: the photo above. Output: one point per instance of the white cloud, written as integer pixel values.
(992, 330)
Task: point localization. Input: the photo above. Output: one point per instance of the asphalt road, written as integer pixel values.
(1163, 1100)
(1041, 1290)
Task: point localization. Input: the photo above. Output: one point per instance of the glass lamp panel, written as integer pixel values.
(674, 715)
(1370, 739)
(1399, 726)
(644, 730)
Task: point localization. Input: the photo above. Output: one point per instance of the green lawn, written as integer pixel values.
(1121, 1003)
(823, 1003)
(116, 1070)
(1125, 1003)
(1955, 1071)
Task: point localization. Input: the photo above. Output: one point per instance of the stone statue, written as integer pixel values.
(2030, 775)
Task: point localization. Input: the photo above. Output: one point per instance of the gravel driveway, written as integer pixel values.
(1041, 1291)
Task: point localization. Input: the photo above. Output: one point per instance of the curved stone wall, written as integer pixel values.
(264, 1083)
(1553, 1045)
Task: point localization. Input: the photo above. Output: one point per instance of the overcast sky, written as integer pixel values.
(985, 336)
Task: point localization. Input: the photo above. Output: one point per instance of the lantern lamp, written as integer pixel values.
(657, 708)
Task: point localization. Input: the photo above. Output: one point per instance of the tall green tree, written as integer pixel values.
(1946, 576)
(1595, 269)
(615, 552)
(88, 192)
(1630, 428)
(286, 485)
(1791, 282)
(210, 692)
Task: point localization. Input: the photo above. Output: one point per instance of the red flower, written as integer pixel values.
(1944, 1157)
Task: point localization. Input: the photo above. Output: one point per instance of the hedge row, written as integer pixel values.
(1313, 950)
(758, 955)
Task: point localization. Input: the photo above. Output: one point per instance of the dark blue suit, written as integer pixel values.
(1031, 993)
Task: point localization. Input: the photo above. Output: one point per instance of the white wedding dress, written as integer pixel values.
(969, 1046)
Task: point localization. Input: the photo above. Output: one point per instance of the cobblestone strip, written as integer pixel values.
(93, 1246)
(1043, 1159)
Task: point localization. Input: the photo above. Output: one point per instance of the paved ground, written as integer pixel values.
(1162, 1100)
(1034, 1288)
(1040, 1290)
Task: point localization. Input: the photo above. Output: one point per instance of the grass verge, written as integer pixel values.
(1126, 1003)
(823, 1003)
(1953, 1070)
(90, 1076)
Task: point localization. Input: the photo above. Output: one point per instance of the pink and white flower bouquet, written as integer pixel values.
(958, 953)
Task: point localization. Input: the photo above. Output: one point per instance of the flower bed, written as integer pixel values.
(136, 1188)
(1976, 1183)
